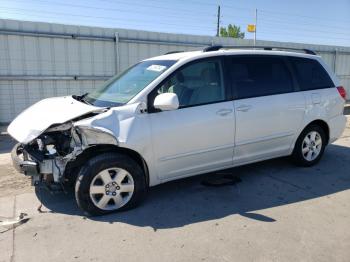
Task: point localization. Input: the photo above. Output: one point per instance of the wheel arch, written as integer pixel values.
(321, 123)
(73, 166)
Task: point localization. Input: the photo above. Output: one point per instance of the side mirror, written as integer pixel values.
(166, 102)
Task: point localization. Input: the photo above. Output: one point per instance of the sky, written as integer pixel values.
(303, 21)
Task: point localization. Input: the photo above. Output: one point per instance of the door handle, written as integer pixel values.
(244, 108)
(224, 112)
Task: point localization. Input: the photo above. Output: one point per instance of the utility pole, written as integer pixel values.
(218, 24)
(256, 25)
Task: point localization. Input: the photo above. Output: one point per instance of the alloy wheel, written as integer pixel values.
(111, 188)
(311, 146)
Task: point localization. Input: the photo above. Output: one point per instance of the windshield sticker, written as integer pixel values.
(156, 68)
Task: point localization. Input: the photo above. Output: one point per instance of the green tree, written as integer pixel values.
(231, 31)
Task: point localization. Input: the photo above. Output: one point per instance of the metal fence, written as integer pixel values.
(39, 60)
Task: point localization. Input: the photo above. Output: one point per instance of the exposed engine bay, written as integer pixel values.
(51, 152)
(49, 157)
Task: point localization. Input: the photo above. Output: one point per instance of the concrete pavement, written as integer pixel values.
(278, 212)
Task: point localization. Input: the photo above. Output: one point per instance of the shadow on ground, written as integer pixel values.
(6, 144)
(264, 185)
(347, 110)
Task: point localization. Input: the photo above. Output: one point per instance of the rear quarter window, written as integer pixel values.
(310, 74)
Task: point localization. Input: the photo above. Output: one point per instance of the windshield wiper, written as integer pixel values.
(81, 98)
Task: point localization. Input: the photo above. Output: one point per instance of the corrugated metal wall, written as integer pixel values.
(39, 60)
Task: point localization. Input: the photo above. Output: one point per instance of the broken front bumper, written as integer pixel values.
(21, 162)
(38, 172)
(44, 171)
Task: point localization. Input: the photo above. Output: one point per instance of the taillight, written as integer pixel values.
(342, 91)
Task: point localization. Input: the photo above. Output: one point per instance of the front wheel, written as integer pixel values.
(309, 146)
(109, 182)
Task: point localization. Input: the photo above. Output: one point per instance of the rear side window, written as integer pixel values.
(254, 76)
(310, 74)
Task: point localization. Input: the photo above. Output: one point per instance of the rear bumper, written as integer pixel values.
(336, 125)
(21, 162)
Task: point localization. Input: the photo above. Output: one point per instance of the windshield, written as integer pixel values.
(123, 87)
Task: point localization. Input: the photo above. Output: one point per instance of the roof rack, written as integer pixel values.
(173, 52)
(218, 47)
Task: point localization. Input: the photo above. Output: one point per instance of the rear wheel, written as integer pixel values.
(109, 182)
(309, 146)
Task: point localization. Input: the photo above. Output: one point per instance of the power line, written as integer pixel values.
(100, 17)
(226, 6)
(304, 29)
(276, 21)
(281, 32)
(279, 13)
(274, 33)
(263, 19)
(176, 16)
(108, 9)
(168, 24)
(280, 21)
(284, 14)
(158, 7)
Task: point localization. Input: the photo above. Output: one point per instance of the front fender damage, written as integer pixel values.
(95, 135)
(82, 137)
(59, 146)
(52, 160)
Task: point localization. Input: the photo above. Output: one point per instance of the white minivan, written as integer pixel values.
(178, 115)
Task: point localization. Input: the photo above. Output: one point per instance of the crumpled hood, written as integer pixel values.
(36, 119)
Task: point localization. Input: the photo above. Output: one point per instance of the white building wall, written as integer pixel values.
(40, 60)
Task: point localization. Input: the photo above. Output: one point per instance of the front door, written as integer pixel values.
(199, 136)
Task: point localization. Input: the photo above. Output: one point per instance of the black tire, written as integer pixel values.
(102, 162)
(297, 155)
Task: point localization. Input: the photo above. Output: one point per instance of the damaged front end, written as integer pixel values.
(48, 158)
(53, 147)
(45, 158)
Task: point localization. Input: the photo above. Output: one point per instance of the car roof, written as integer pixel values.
(192, 55)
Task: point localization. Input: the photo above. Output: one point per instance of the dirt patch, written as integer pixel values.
(347, 109)
(11, 182)
(6, 143)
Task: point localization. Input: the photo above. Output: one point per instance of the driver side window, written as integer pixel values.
(196, 84)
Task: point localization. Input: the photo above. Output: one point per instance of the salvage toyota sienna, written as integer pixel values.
(178, 115)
